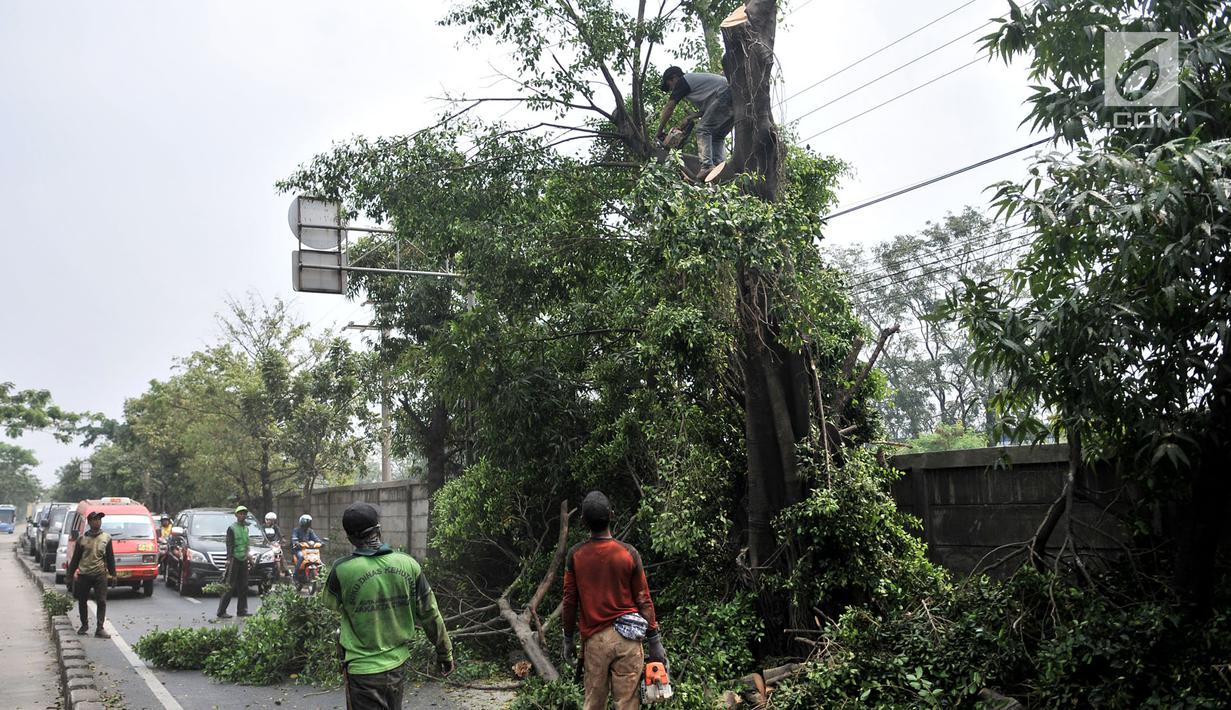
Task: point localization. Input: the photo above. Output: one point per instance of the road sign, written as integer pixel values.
(318, 271)
(316, 223)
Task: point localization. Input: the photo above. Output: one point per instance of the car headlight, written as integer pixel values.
(267, 557)
(194, 556)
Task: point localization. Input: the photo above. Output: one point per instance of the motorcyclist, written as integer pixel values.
(302, 533)
(274, 533)
(164, 534)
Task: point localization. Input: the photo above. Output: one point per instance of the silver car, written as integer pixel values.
(62, 546)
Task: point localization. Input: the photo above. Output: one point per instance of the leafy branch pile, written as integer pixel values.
(290, 636)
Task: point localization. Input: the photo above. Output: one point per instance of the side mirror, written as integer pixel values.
(74, 535)
(29, 520)
(177, 531)
(45, 524)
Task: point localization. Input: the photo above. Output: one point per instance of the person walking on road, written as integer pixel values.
(93, 564)
(607, 596)
(237, 566)
(381, 595)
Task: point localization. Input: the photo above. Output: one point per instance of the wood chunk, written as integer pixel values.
(739, 17)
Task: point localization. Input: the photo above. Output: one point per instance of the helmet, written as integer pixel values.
(271, 515)
(164, 516)
(305, 519)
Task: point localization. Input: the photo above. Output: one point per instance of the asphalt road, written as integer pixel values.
(118, 670)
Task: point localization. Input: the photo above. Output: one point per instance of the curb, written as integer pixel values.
(77, 685)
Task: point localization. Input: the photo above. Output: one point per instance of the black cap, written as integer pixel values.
(94, 514)
(596, 510)
(360, 518)
(671, 72)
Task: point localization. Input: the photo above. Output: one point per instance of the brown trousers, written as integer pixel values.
(613, 667)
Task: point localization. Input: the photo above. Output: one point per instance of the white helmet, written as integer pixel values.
(305, 519)
(271, 515)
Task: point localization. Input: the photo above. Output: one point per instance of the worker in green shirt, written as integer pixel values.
(381, 595)
(236, 576)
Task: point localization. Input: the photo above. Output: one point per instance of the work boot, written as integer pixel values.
(85, 629)
(243, 613)
(101, 634)
(223, 615)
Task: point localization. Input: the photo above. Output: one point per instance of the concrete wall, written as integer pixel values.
(974, 501)
(403, 514)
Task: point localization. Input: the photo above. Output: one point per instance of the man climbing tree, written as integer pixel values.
(711, 95)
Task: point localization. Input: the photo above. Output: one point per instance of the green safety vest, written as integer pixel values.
(240, 539)
(377, 594)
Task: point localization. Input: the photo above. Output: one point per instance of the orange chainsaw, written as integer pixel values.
(655, 685)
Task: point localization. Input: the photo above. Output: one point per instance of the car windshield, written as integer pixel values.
(7, 515)
(57, 518)
(216, 524)
(128, 526)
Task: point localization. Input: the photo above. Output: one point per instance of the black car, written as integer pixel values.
(197, 550)
(48, 535)
(30, 538)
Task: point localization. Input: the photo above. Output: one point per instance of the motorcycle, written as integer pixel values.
(307, 574)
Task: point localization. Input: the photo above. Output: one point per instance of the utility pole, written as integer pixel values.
(386, 433)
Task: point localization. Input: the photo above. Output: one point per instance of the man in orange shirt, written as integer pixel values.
(606, 595)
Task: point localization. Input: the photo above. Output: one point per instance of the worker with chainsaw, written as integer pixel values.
(381, 595)
(607, 598)
(711, 95)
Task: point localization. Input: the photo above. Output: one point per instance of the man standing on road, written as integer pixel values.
(94, 563)
(711, 95)
(381, 595)
(237, 566)
(605, 581)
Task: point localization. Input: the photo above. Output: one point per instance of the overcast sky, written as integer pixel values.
(140, 141)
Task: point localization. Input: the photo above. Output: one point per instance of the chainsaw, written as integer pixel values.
(655, 685)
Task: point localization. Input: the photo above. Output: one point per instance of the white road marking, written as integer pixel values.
(192, 599)
(151, 681)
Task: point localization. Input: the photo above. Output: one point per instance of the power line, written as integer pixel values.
(952, 249)
(859, 61)
(936, 179)
(1006, 235)
(984, 258)
(904, 94)
(895, 70)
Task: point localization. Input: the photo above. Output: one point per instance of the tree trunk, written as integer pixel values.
(267, 487)
(439, 458)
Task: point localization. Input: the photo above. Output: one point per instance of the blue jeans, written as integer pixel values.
(712, 130)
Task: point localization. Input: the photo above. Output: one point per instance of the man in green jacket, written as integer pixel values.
(381, 595)
(92, 564)
(237, 566)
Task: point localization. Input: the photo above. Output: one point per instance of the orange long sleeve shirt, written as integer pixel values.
(604, 580)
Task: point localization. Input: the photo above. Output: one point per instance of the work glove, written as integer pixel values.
(654, 650)
(660, 136)
(567, 651)
(445, 666)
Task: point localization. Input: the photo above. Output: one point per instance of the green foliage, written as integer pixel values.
(290, 635)
(1032, 637)
(855, 545)
(709, 639)
(932, 382)
(56, 604)
(537, 694)
(215, 588)
(946, 438)
(185, 648)
(33, 410)
(18, 484)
